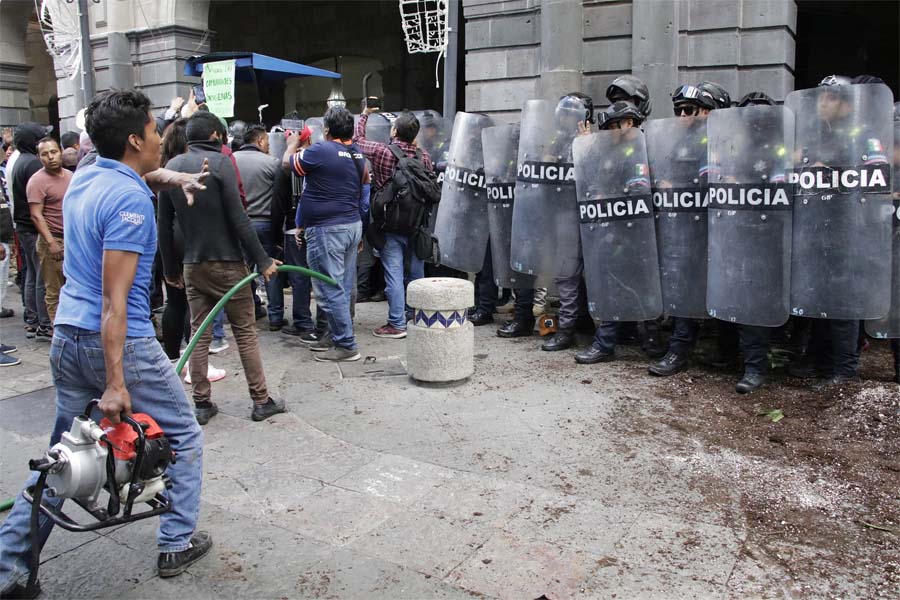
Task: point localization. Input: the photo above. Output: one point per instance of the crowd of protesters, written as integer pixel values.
(252, 211)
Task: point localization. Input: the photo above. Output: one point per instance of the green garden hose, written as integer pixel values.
(221, 303)
(7, 504)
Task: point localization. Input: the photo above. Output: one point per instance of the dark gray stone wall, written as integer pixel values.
(745, 45)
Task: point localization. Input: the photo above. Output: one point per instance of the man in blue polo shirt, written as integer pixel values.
(104, 344)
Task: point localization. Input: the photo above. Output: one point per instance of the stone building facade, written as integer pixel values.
(519, 49)
(510, 50)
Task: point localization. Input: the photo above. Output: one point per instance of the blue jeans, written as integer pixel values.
(331, 250)
(79, 374)
(274, 291)
(392, 258)
(301, 285)
(218, 326)
(33, 288)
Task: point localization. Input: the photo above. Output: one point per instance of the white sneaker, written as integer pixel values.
(218, 345)
(212, 373)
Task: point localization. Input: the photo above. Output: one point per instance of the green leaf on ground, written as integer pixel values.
(773, 414)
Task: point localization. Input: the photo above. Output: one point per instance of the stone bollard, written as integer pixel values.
(440, 341)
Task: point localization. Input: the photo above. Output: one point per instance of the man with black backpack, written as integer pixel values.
(406, 189)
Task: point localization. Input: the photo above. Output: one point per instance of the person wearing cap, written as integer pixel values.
(25, 138)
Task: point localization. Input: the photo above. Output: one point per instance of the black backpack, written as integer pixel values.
(404, 204)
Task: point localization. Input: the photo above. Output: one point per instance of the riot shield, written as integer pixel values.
(501, 145)
(618, 237)
(461, 227)
(434, 138)
(545, 233)
(277, 144)
(676, 149)
(889, 326)
(317, 126)
(842, 214)
(750, 204)
(378, 127)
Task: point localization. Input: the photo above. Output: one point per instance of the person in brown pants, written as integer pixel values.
(216, 230)
(45, 191)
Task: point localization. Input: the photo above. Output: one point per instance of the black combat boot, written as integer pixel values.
(670, 364)
(516, 328)
(750, 382)
(592, 355)
(563, 339)
(480, 317)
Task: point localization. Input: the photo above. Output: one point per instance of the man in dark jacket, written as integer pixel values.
(216, 233)
(25, 138)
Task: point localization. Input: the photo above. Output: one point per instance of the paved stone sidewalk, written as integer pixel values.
(517, 484)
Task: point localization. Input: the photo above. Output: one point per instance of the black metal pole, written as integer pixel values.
(450, 61)
(87, 61)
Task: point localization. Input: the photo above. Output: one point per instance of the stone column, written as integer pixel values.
(654, 50)
(561, 32)
(14, 68)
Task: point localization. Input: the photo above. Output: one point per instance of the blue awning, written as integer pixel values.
(267, 68)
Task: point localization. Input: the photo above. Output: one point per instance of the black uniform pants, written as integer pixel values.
(755, 348)
(609, 333)
(524, 304)
(572, 298)
(684, 335)
(485, 289)
(834, 346)
(368, 279)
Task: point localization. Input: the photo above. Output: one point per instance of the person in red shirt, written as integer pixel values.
(45, 191)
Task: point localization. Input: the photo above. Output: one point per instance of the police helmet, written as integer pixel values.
(756, 99)
(632, 89)
(236, 132)
(866, 79)
(719, 94)
(835, 80)
(689, 94)
(623, 109)
(575, 105)
(838, 85)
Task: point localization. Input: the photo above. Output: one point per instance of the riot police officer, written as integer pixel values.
(839, 142)
(572, 108)
(695, 102)
(632, 89)
(748, 279)
(627, 165)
